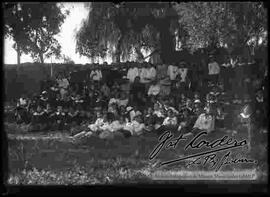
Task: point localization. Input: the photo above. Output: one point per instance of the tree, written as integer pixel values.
(129, 27)
(14, 26)
(67, 60)
(33, 27)
(217, 24)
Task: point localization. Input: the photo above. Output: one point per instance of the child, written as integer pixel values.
(37, 122)
(47, 113)
(72, 117)
(59, 118)
(113, 109)
(149, 119)
(169, 123)
(105, 90)
(123, 100)
(196, 98)
(185, 122)
(220, 118)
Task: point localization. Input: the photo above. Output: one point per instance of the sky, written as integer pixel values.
(66, 38)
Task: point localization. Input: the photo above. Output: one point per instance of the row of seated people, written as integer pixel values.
(47, 113)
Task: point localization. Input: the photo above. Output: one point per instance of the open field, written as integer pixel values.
(55, 158)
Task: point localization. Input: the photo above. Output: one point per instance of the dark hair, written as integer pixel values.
(110, 116)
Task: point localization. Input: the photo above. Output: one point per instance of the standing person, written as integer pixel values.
(132, 73)
(162, 71)
(63, 84)
(172, 71)
(213, 70)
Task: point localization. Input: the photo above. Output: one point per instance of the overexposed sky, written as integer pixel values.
(66, 37)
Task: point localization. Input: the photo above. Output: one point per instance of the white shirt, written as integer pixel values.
(205, 123)
(113, 100)
(96, 75)
(162, 71)
(133, 113)
(151, 73)
(123, 102)
(170, 121)
(172, 72)
(98, 123)
(154, 90)
(134, 127)
(132, 73)
(63, 83)
(23, 101)
(115, 126)
(213, 68)
(143, 72)
(183, 73)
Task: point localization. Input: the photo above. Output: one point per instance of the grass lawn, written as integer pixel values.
(54, 158)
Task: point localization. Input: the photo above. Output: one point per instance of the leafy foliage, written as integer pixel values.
(121, 30)
(216, 24)
(33, 27)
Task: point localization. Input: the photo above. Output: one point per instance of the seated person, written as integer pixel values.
(72, 117)
(37, 122)
(260, 108)
(113, 109)
(48, 111)
(185, 122)
(154, 89)
(205, 121)
(220, 118)
(169, 123)
(196, 98)
(123, 100)
(59, 118)
(133, 112)
(105, 90)
(108, 130)
(100, 120)
(114, 98)
(149, 119)
(243, 119)
(135, 127)
(197, 109)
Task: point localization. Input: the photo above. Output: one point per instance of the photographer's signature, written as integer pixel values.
(166, 141)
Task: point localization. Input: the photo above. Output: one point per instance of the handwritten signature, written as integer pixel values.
(166, 141)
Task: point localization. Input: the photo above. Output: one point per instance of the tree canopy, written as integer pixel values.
(122, 29)
(33, 27)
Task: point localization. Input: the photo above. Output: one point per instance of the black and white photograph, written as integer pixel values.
(104, 93)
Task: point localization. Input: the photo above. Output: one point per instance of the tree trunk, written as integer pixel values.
(18, 54)
(41, 58)
(140, 56)
(166, 41)
(118, 50)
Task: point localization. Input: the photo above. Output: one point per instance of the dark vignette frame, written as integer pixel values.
(189, 187)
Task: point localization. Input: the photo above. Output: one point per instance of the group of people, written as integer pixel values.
(147, 98)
